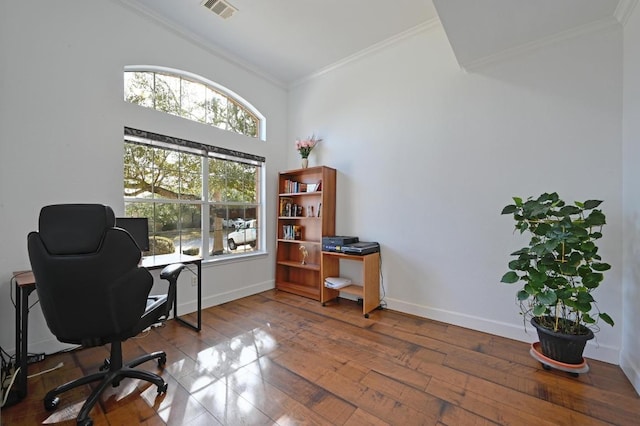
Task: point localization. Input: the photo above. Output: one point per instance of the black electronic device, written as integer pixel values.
(339, 240)
(138, 227)
(361, 248)
(331, 247)
(336, 242)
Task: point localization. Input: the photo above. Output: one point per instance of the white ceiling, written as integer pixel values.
(478, 31)
(289, 40)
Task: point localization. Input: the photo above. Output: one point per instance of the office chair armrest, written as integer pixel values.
(171, 272)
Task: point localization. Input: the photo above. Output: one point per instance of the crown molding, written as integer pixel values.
(420, 28)
(605, 24)
(153, 17)
(624, 10)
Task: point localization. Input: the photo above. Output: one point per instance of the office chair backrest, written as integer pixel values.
(87, 273)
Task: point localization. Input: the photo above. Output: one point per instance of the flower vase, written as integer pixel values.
(305, 163)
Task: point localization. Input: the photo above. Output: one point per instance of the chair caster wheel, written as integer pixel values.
(162, 389)
(162, 361)
(51, 404)
(105, 365)
(366, 315)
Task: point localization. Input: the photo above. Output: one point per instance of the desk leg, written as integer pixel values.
(19, 390)
(198, 325)
(199, 313)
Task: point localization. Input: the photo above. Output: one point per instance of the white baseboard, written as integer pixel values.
(220, 298)
(512, 331)
(632, 372)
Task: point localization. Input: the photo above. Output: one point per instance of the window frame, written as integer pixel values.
(155, 140)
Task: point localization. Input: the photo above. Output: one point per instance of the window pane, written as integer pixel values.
(190, 173)
(219, 227)
(190, 230)
(216, 109)
(140, 172)
(250, 183)
(138, 88)
(166, 183)
(193, 100)
(157, 243)
(166, 220)
(240, 120)
(244, 237)
(217, 179)
(167, 94)
(233, 181)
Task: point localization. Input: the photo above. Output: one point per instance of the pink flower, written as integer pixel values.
(305, 146)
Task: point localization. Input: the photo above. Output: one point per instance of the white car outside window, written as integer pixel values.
(244, 235)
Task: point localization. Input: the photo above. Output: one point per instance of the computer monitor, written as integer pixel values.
(138, 227)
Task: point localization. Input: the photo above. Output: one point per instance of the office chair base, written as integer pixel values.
(113, 376)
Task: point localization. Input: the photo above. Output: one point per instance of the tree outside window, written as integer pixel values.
(189, 190)
(166, 186)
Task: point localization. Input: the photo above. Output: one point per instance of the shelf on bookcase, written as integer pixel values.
(282, 240)
(301, 290)
(289, 194)
(354, 289)
(294, 264)
(298, 217)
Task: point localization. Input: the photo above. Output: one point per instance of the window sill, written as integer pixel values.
(234, 258)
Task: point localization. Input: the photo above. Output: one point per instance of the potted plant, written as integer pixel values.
(559, 270)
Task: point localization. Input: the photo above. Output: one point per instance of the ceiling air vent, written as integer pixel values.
(221, 8)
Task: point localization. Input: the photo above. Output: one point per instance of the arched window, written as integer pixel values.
(192, 97)
(200, 199)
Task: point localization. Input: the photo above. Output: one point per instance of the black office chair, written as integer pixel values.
(92, 292)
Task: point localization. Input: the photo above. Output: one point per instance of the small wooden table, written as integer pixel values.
(368, 290)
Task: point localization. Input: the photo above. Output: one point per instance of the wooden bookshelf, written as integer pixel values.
(306, 212)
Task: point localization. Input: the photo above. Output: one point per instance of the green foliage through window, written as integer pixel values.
(187, 195)
(190, 99)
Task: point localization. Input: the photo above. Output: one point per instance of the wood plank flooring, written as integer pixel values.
(279, 359)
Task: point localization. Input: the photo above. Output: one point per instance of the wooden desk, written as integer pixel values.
(25, 283)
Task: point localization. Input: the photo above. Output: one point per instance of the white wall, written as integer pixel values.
(428, 155)
(61, 129)
(630, 357)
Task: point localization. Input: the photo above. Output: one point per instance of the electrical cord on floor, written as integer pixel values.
(383, 304)
(60, 365)
(8, 388)
(7, 375)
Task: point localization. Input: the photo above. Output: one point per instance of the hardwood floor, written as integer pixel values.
(276, 358)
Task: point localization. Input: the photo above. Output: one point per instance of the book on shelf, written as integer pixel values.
(292, 186)
(286, 206)
(292, 232)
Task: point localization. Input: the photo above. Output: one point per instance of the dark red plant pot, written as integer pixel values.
(566, 348)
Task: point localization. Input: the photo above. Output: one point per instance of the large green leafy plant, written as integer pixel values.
(561, 267)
